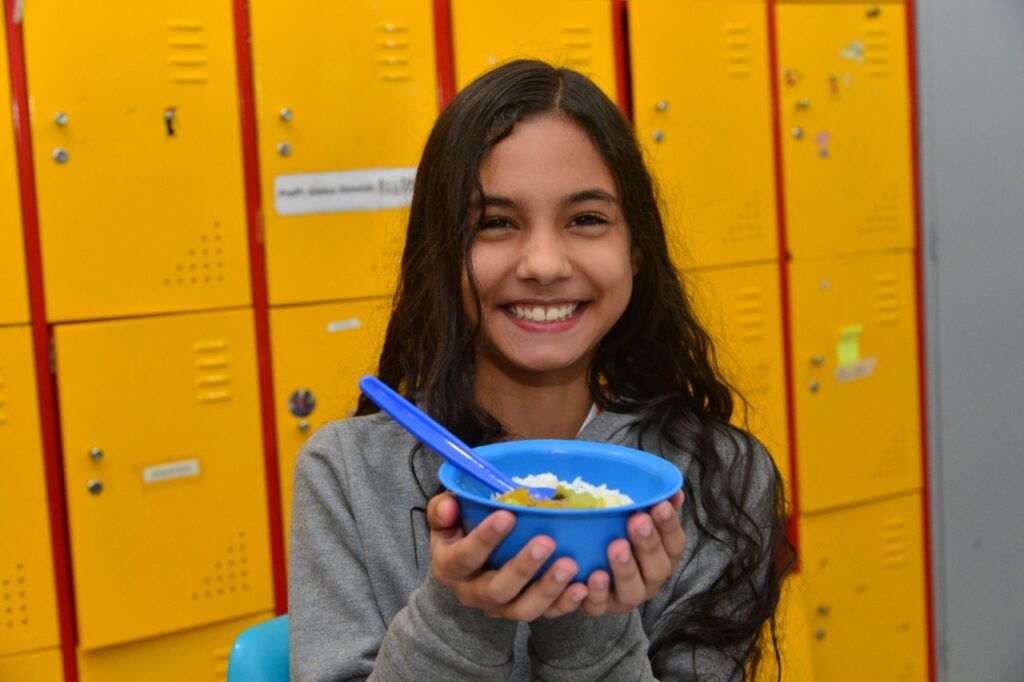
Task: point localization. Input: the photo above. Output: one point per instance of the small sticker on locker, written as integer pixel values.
(854, 52)
(344, 325)
(856, 370)
(170, 470)
(370, 189)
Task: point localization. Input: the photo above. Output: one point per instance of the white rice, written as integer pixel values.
(612, 498)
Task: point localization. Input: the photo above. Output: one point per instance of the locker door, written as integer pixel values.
(855, 378)
(164, 472)
(137, 155)
(28, 600)
(845, 117)
(572, 33)
(37, 666)
(320, 352)
(13, 282)
(702, 104)
(346, 93)
(742, 308)
(793, 634)
(864, 572)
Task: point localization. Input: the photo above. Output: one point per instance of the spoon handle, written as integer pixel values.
(438, 438)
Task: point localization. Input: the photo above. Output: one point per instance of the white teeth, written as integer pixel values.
(558, 313)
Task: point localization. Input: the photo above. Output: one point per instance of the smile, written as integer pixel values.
(544, 313)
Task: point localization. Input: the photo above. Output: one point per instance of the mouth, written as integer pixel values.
(545, 314)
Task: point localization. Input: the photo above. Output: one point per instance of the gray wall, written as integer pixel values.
(971, 88)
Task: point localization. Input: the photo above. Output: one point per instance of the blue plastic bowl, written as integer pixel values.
(583, 535)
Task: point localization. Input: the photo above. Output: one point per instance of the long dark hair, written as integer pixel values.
(657, 359)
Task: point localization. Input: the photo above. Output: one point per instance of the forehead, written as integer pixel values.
(545, 157)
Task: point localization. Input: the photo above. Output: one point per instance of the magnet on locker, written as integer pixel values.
(138, 158)
(850, 191)
(576, 34)
(167, 507)
(702, 104)
(319, 352)
(339, 140)
(28, 617)
(854, 338)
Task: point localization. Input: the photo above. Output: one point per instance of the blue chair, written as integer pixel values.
(260, 653)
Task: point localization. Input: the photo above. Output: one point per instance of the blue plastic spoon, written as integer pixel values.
(441, 440)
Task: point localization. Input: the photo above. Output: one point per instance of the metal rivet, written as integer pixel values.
(284, 149)
(874, 12)
(814, 386)
(662, 105)
(286, 114)
(819, 633)
(803, 104)
(818, 360)
(96, 454)
(60, 155)
(304, 426)
(659, 135)
(798, 133)
(61, 119)
(95, 487)
(824, 610)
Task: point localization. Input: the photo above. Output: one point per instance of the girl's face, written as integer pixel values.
(552, 258)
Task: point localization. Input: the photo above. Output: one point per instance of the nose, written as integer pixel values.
(544, 257)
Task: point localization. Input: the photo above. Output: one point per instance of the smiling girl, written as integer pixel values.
(536, 300)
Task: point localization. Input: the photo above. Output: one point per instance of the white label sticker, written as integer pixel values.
(856, 370)
(370, 189)
(342, 325)
(170, 470)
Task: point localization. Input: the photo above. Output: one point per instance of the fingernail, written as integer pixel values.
(622, 557)
(561, 575)
(663, 512)
(501, 524)
(644, 529)
(539, 551)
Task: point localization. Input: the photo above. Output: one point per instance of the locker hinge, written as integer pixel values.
(53, 357)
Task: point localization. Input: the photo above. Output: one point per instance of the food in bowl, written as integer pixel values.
(576, 495)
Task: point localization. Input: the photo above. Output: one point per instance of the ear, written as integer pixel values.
(636, 259)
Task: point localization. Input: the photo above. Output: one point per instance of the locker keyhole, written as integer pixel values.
(169, 113)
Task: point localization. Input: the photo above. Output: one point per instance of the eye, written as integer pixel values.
(495, 223)
(587, 220)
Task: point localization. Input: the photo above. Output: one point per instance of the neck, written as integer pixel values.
(554, 409)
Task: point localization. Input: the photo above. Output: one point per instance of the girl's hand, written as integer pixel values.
(658, 542)
(458, 563)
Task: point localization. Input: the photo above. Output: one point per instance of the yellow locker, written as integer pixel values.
(793, 636)
(38, 666)
(164, 471)
(196, 655)
(346, 93)
(14, 308)
(855, 378)
(702, 105)
(865, 582)
(742, 308)
(28, 598)
(138, 157)
(319, 354)
(845, 116)
(576, 34)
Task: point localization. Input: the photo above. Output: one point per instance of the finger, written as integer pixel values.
(568, 602)
(670, 529)
(459, 558)
(629, 583)
(598, 594)
(442, 512)
(510, 579)
(539, 597)
(650, 554)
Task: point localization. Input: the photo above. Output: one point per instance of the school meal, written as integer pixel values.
(576, 495)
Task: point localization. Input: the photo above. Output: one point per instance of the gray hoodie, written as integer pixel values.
(363, 605)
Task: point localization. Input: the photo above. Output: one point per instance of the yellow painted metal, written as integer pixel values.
(177, 536)
(572, 33)
(14, 307)
(323, 349)
(702, 105)
(137, 220)
(347, 86)
(793, 634)
(742, 309)
(855, 378)
(865, 580)
(37, 666)
(28, 600)
(197, 655)
(845, 116)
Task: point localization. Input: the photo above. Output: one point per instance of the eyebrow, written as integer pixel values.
(592, 194)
